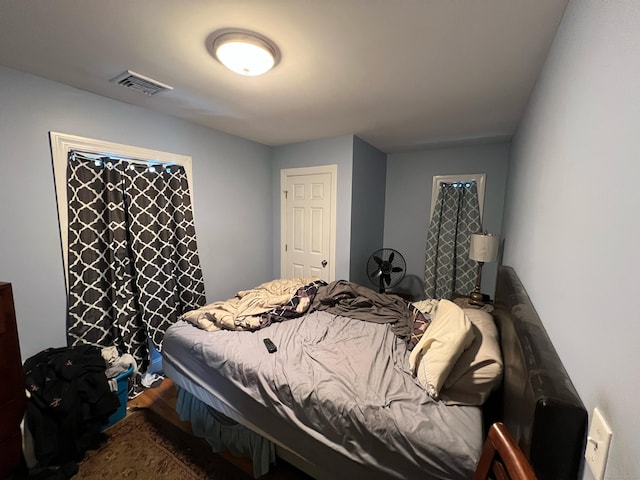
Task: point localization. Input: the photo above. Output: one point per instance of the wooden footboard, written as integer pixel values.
(538, 402)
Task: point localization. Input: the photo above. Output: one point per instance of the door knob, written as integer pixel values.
(324, 263)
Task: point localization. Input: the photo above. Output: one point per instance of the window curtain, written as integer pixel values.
(133, 263)
(456, 216)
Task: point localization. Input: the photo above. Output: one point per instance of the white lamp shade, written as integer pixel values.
(245, 53)
(484, 247)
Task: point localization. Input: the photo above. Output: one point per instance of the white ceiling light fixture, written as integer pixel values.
(243, 52)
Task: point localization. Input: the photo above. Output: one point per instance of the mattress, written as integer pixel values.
(337, 392)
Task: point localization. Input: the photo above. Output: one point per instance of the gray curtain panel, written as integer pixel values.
(456, 216)
(133, 262)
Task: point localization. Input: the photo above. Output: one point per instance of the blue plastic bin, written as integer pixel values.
(123, 393)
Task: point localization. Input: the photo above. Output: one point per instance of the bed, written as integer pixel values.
(537, 401)
(341, 398)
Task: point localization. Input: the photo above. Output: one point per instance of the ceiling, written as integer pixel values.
(400, 74)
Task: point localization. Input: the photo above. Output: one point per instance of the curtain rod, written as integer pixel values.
(99, 156)
(455, 184)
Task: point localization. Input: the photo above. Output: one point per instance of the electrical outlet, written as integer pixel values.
(598, 443)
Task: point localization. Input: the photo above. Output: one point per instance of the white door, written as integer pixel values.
(308, 222)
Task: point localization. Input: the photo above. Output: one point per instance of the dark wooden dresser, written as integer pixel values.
(13, 400)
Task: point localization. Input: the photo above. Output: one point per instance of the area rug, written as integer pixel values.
(144, 446)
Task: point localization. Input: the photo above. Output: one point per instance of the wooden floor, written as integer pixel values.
(162, 400)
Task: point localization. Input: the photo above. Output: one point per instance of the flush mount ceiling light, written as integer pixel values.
(243, 52)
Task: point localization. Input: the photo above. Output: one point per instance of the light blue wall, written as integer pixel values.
(571, 222)
(330, 151)
(367, 207)
(409, 181)
(228, 171)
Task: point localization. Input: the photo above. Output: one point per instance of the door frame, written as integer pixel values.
(332, 171)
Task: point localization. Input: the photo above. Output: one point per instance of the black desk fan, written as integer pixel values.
(386, 268)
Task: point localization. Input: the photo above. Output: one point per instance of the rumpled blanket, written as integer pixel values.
(356, 301)
(256, 308)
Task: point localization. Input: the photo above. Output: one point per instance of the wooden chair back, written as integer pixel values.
(502, 458)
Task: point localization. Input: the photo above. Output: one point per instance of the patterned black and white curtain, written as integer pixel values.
(456, 216)
(133, 263)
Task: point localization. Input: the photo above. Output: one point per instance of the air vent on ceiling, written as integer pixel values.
(140, 83)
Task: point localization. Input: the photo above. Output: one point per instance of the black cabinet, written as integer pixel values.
(13, 400)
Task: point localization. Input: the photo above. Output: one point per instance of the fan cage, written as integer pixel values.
(386, 268)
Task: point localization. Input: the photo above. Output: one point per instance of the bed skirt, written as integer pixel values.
(223, 433)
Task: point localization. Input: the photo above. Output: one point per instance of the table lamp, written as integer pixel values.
(484, 248)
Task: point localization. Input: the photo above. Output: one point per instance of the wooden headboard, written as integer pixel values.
(537, 402)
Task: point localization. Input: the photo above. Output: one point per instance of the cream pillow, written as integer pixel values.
(433, 358)
(479, 369)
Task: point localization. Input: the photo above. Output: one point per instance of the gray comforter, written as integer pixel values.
(355, 301)
(343, 382)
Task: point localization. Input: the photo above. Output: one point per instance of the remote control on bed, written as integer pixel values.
(271, 348)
